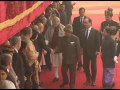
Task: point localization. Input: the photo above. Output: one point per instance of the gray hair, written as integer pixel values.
(5, 59)
(55, 18)
(6, 84)
(15, 40)
(26, 31)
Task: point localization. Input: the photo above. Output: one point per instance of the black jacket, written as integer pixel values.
(77, 26)
(108, 52)
(41, 44)
(92, 44)
(118, 49)
(70, 47)
(68, 7)
(18, 66)
(111, 23)
(63, 17)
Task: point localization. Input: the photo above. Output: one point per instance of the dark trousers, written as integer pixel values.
(47, 60)
(68, 18)
(72, 71)
(80, 63)
(87, 59)
(35, 84)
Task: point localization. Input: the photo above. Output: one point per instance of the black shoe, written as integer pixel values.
(113, 84)
(49, 68)
(63, 84)
(87, 83)
(72, 87)
(55, 80)
(93, 84)
(41, 84)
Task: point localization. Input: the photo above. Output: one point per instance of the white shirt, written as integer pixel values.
(89, 29)
(16, 50)
(81, 19)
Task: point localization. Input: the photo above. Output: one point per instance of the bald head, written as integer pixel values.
(35, 27)
(55, 21)
(43, 20)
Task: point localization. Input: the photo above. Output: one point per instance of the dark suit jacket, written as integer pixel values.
(68, 7)
(108, 52)
(70, 47)
(77, 26)
(42, 44)
(105, 23)
(90, 45)
(27, 68)
(63, 17)
(18, 67)
(118, 49)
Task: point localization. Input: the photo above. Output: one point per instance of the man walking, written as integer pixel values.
(78, 26)
(70, 47)
(90, 45)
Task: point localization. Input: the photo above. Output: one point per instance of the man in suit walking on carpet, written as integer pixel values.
(78, 26)
(90, 45)
(70, 47)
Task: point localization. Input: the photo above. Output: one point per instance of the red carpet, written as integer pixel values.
(47, 76)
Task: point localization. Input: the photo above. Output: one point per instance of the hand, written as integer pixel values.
(44, 52)
(52, 51)
(115, 59)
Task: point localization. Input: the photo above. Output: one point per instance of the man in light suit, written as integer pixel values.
(70, 47)
(90, 45)
(78, 26)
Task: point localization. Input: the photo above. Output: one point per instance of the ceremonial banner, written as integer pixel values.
(15, 15)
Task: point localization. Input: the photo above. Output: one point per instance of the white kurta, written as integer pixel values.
(56, 59)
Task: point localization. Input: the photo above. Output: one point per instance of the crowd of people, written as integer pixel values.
(52, 38)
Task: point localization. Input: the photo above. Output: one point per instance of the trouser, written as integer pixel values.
(47, 60)
(80, 63)
(87, 59)
(35, 77)
(68, 19)
(72, 70)
(108, 77)
(56, 73)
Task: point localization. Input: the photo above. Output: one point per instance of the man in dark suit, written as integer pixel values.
(70, 47)
(17, 62)
(62, 14)
(78, 26)
(90, 45)
(68, 9)
(40, 43)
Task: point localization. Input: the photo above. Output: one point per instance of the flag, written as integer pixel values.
(15, 15)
